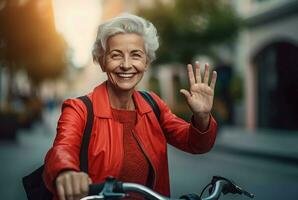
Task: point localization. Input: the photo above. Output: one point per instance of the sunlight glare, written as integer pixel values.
(77, 20)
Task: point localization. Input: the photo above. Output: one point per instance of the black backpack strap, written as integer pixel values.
(152, 103)
(87, 134)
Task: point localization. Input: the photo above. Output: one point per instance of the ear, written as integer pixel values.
(147, 66)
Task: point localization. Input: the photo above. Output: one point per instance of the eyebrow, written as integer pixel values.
(117, 50)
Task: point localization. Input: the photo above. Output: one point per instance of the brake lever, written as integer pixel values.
(231, 187)
(109, 188)
(246, 193)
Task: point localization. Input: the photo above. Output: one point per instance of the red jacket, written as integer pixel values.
(105, 149)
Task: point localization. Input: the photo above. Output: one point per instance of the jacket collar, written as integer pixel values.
(102, 106)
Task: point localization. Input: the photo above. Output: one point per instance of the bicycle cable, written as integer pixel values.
(205, 189)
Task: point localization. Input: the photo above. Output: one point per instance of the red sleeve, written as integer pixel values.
(184, 135)
(65, 151)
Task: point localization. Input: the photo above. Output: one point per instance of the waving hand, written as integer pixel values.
(200, 94)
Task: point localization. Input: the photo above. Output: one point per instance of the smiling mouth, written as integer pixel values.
(125, 75)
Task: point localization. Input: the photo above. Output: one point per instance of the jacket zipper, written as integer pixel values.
(148, 158)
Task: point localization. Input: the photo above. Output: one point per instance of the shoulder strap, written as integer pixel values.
(152, 103)
(87, 134)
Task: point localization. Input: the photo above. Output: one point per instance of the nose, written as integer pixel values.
(126, 64)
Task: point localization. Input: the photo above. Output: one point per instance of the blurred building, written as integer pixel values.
(267, 56)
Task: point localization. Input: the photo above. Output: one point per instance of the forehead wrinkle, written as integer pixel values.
(127, 42)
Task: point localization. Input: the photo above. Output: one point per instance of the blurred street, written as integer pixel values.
(20, 157)
(265, 163)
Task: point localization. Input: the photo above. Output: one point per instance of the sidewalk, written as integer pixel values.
(269, 144)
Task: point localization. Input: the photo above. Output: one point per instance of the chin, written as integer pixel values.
(127, 85)
(124, 86)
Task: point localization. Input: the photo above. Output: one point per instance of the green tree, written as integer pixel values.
(187, 28)
(29, 41)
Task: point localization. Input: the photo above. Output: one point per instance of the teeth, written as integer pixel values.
(125, 75)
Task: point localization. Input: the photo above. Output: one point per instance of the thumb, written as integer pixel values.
(185, 93)
(90, 180)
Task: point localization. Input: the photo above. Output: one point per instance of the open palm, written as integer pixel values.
(200, 94)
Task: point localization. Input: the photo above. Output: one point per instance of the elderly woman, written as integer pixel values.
(127, 140)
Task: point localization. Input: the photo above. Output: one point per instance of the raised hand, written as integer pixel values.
(200, 94)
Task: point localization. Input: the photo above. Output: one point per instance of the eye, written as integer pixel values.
(136, 55)
(116, 56)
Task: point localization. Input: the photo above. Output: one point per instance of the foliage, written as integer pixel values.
(187, 28)
(29, 40)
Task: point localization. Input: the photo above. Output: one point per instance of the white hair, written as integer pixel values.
(126, 23)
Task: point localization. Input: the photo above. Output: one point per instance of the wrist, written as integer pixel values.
(202, 116)
(202, 120)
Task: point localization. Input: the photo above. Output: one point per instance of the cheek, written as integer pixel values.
(111, 65)
(140, 65)
(111, 79)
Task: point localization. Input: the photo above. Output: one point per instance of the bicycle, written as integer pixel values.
(113, 189)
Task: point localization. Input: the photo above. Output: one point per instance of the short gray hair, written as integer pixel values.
(126, 23)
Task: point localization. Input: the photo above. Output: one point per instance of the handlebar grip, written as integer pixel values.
(95, 189)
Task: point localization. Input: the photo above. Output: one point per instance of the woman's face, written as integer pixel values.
(125, 60)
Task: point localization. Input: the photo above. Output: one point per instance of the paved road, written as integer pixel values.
(25, 154)
(267, 178)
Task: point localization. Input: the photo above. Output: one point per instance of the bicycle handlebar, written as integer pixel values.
(115, 189)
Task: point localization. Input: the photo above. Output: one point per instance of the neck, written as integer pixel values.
(120, 99)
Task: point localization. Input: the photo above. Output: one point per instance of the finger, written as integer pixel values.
(198, 72)
(185, 93)
(213, 79)
(206, 73)
(60, 191)
(191, 77)
(76, 186)
(68, 188)
(85, 186)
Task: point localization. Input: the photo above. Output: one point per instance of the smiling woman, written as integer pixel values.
(128, 141)
(76, 20)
